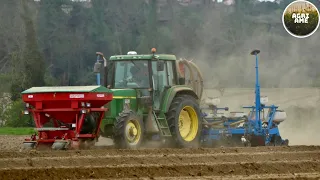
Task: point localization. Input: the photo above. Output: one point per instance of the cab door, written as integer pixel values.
(159, 80)
(162, 81)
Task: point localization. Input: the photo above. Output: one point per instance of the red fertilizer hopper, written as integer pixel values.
(66, 116)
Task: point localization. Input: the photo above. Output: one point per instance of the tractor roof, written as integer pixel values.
(143, 57)
(52, 89)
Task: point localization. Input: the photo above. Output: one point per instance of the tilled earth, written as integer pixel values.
(296, 162)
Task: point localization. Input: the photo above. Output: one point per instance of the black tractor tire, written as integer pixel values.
(89, 124)
(107, 131)
(119, 135)
(178, 104)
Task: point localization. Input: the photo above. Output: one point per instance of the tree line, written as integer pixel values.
(53, 42)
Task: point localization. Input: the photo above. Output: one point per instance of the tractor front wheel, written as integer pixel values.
(185, 122)
(128, 131)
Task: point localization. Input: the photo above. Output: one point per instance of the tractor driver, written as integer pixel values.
(140, 74)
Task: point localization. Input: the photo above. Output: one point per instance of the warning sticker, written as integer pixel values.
(76, 96)
(100, 95)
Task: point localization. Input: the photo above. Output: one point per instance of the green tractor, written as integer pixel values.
(152, 98)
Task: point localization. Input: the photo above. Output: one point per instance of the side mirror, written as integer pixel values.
(160, 65)
(97, 67)
(182, 80)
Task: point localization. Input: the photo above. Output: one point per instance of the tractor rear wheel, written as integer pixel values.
(128, 131)
(185, 122)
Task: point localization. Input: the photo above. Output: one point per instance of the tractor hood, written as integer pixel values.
(119, 96)
(124, 93)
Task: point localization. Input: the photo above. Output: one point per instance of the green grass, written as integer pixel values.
(16, 131)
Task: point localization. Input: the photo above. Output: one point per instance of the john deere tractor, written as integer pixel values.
(152, 98)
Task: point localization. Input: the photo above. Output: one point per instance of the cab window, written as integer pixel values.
(159, 77)
(131, 74)
(171, 76)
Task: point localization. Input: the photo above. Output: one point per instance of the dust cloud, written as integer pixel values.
(302, 126)
(286, 63)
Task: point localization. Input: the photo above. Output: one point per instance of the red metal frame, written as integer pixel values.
(65, 108)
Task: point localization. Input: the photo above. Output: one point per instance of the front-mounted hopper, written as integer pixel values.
(67, 116)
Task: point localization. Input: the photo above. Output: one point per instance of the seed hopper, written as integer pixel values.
(67, 116)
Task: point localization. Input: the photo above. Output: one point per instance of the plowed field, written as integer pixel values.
(296, 162)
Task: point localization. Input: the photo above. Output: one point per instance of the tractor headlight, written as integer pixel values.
(88, 104)
(25, 112)
(83, 104)
(212, 101)
(127, 101)
(126, 104)
(83, 111)
(27, 105)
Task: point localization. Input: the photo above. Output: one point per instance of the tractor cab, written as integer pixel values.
(141, 76)
(148, 90)
(138, 83)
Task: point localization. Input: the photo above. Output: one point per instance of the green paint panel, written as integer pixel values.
(116, 105)
(123, 93)
(48, 89)
(143, 57)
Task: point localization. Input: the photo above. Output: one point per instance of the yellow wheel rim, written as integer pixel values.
(188, 123)
(133, 132)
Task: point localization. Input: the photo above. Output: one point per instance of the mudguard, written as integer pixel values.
(172, 92)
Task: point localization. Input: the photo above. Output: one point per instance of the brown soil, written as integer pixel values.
(161, 170)
(11, 142)
(296, 162)
(109, 151)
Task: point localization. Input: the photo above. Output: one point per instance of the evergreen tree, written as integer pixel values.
(34, 67)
